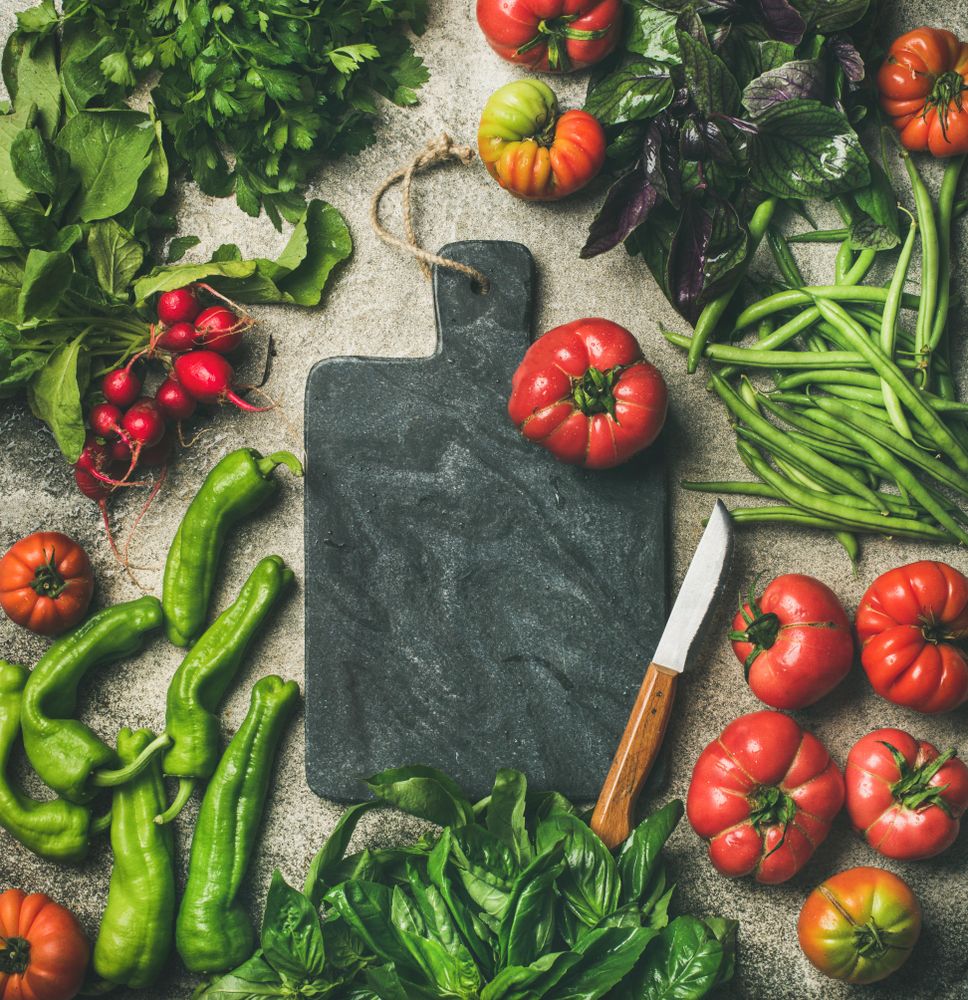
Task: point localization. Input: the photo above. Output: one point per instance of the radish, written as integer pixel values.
(173, 401)
(121, 387)
(120, 452)
(207, 376)
(219, 329)
(177, 338)
(104, 419)
(156, 455)
(95, 461)
(180, 305)
(144, 424)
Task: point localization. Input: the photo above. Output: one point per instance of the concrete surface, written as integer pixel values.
(380, 305)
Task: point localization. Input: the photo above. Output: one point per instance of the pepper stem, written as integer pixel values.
(14, 955)
(186, 787)
(286, 458)
(122, 775)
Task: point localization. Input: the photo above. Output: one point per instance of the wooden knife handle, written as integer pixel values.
(612, 819)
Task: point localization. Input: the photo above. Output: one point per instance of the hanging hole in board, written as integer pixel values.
(479, 287)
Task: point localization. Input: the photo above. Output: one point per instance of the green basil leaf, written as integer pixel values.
(234, 987)
(452, 973)
(608, 955)
(47, 275)
(433, 911)
(725, 932)
(116, 255)
(505, 814)
(486, 868)
(179, 246)
(528, 924)
(366, 906)
(712, 87)
(292, 939)
(804, 149)
(56, 396)
(525, 982)
(652, 33)
(388, 984)
(319, 879)
(639, 857)
(589, 884)
(109, 150)
(424, 792)
(828, 16)
(30, 74)
(640, 89)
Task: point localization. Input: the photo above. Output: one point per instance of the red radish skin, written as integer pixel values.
(173, 401)
(180, 305)
(144, 424)
(95, 458)
(219, 329)
(208, 377)
(177, 338)
(105, 420)
(121, 452)
(121, 387)
(157, 455)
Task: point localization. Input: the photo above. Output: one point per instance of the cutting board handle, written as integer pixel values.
(613, 816)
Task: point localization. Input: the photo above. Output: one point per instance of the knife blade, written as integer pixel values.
(642, 740)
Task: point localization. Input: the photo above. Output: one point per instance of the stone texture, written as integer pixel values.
(380, 305)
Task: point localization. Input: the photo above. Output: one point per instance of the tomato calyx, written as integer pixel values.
(771, 806)
(913, 790)
(14, 956)
(946, 96)
(762, 630)
(593, 392)
(553, 32)
(47, 581)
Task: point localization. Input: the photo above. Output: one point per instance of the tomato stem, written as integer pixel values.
(47, 581)
(913, 789)
(946, 95)
(593, 392)
(14, 955)
(870, 939)
(771, 806)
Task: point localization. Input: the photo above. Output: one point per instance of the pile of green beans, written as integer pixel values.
(860, 431)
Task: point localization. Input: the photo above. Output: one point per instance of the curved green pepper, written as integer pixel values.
(138, 927)
(213, 931)
(65, 752)
(238, 486)
(206, 674)
(57, 830)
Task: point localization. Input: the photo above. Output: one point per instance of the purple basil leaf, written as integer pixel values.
(849, 58)
(799, 79)
(627, 205)
(783, 21)
(687, 262)
(659, 163)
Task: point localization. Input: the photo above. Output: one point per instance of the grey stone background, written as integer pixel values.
(380, 305)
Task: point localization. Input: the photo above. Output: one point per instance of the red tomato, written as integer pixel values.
(764, 794)
(903, 797)
(908, 622)
(795, 642)
(585, 392)
(860, 926)
(533, 152)
(551, 35)
(921, 86)
(46, 582)
(43, 950)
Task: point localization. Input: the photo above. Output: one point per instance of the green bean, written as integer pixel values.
(824, 378)
(858, 340)
(713, 313)
(888, 437)
(819, 236)
(960, 208)
(946, 204)
(858, 270)
(889, 331)
(814, 462)
(785, 261)
(929, 263)
(794, 297)
(837, 452)
(770, 339)
(752, 358)
(732, 488)
(795, 419)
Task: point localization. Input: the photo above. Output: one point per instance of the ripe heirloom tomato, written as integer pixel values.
(533, 152)
(551, 35)
(908, 623)
(922, 86)
(584, 392)
(795, 642)
(860, 925)
(43, 950)
(903, 797)
(764, 794)
(46, 582)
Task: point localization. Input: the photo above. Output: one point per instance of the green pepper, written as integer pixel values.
(238, 486)
(134, 943)
(66, 754)
(57, 830)
(205, 675)
(213, 931)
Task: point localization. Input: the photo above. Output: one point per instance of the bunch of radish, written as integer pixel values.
(130, 430)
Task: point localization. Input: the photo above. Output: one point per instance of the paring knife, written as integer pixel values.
(612, 819)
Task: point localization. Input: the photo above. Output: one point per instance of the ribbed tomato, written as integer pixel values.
(795, 642)
(551, 35)
(904, 797)
(764, 794)
(43, 949)
(911, 623)
(531, 150)
(585, 393)
(922, 85)
(860, 925)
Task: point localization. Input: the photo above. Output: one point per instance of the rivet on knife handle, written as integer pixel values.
(641, 742)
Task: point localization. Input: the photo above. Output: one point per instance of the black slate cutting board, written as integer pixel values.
(471, 603)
